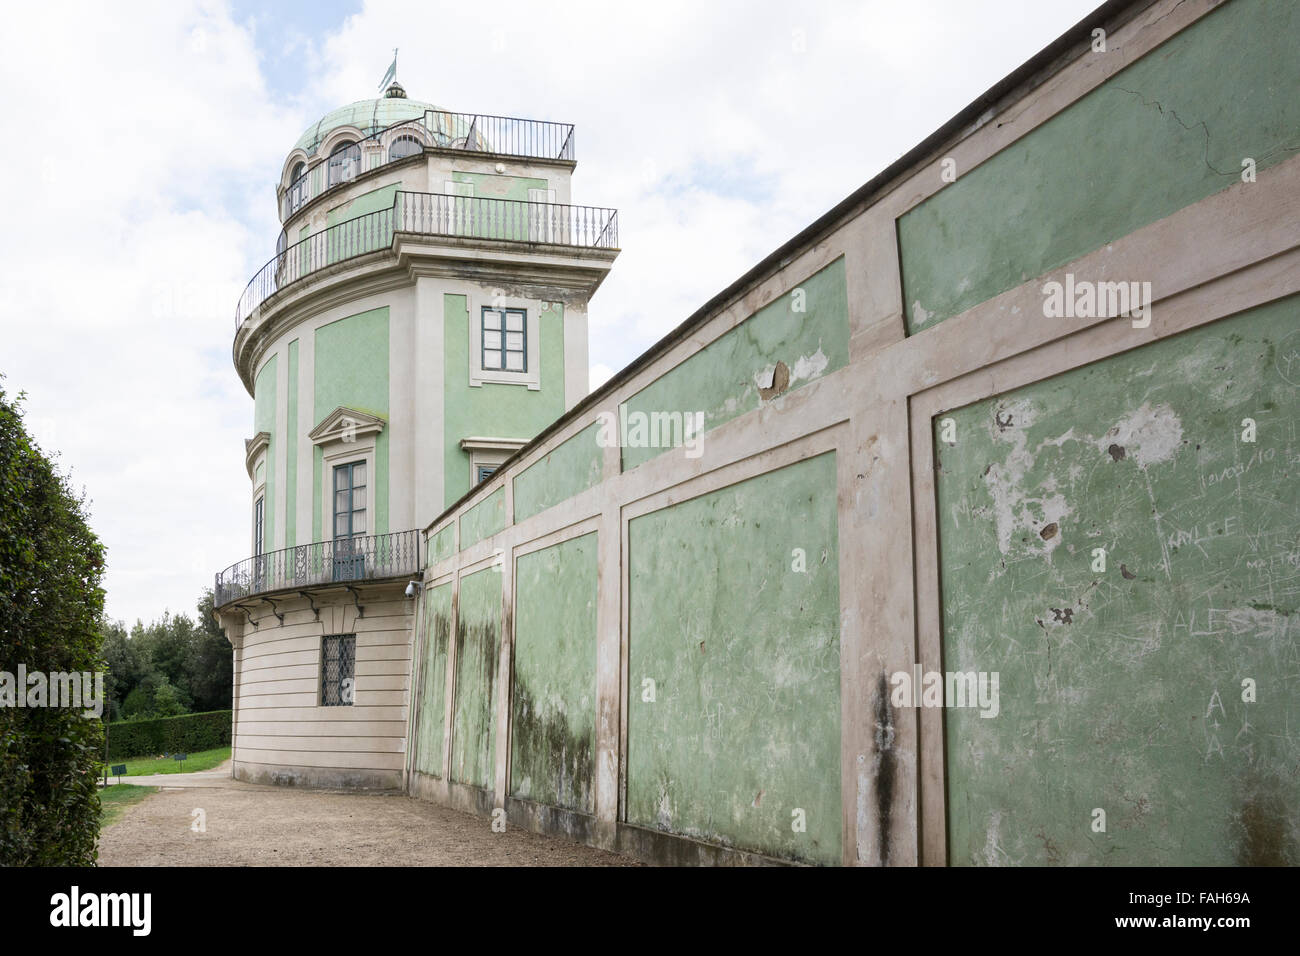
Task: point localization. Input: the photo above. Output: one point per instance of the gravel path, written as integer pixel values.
(272, 826)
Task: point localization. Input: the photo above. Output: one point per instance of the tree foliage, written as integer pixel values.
(173, 666)
(51, 603)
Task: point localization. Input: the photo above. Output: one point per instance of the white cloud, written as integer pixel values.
(598, 375)
(143, 138)
(144, 148)
(718, 130)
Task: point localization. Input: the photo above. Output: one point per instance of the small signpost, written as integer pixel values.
(181, 758)
(119, 769)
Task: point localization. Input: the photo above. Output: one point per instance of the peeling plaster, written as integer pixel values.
(1148, 436)
(1013, 504)
(809, 366)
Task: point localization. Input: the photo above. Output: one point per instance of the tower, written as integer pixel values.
(424, 316)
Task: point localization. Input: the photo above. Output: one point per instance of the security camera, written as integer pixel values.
(412, 589)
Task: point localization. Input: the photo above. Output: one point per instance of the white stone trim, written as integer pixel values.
(488, 452)
(254, 449)
(334, 136)
(296, 155)
(346, 426)
(427, 401)
(259, 491)
(342, 453)
(577, 371)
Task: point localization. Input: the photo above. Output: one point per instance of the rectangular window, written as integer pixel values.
(337, 678)
(483, 473)
(259, 527)
(505, 340)
(350, 521)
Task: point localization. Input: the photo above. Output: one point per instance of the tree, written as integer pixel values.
(128, 663)
(168, 702)
(193, 661)
(212, 661)
(51, 603)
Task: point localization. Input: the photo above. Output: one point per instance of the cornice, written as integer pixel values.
(556, 273)
(252, 446)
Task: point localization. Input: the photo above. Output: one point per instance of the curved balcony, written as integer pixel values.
(344, 561)
(504, 136)
(431, 214)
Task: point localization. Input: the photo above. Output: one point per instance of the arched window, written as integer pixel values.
(344, 162)
(404, 146)
(297, 192)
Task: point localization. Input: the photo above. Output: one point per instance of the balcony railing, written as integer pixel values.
(325, 562)
(509, 220)
(432, 214)
(472, 132)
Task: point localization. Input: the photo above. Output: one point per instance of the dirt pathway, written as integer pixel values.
(272, 826)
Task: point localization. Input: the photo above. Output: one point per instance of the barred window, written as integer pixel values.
(337, 680)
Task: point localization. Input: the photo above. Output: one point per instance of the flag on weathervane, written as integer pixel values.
(392, 72)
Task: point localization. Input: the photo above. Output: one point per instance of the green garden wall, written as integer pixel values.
(441, 546)
(807, 330)
(570, 469)
(553, 703)
(1122, 689)
(484, 519)
(436, 623)
(478, 641)
(1164, 133)
(744, 652)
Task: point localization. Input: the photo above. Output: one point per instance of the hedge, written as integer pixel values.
(188, 733)
(51, 602)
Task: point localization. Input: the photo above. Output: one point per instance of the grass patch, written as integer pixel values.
(200, 760)
(114, 800)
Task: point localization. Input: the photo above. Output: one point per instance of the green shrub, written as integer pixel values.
(188, 733)
(51, 604)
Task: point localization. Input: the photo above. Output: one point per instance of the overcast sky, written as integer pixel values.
(144, 141)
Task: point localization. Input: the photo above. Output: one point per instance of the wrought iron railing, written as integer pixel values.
(348, 239)
(341, 561)
(473, 132)
(471, 217)
(511, 220)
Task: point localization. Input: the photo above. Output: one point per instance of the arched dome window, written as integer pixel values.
(404, 146)
(297, 192)
(344, 162)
